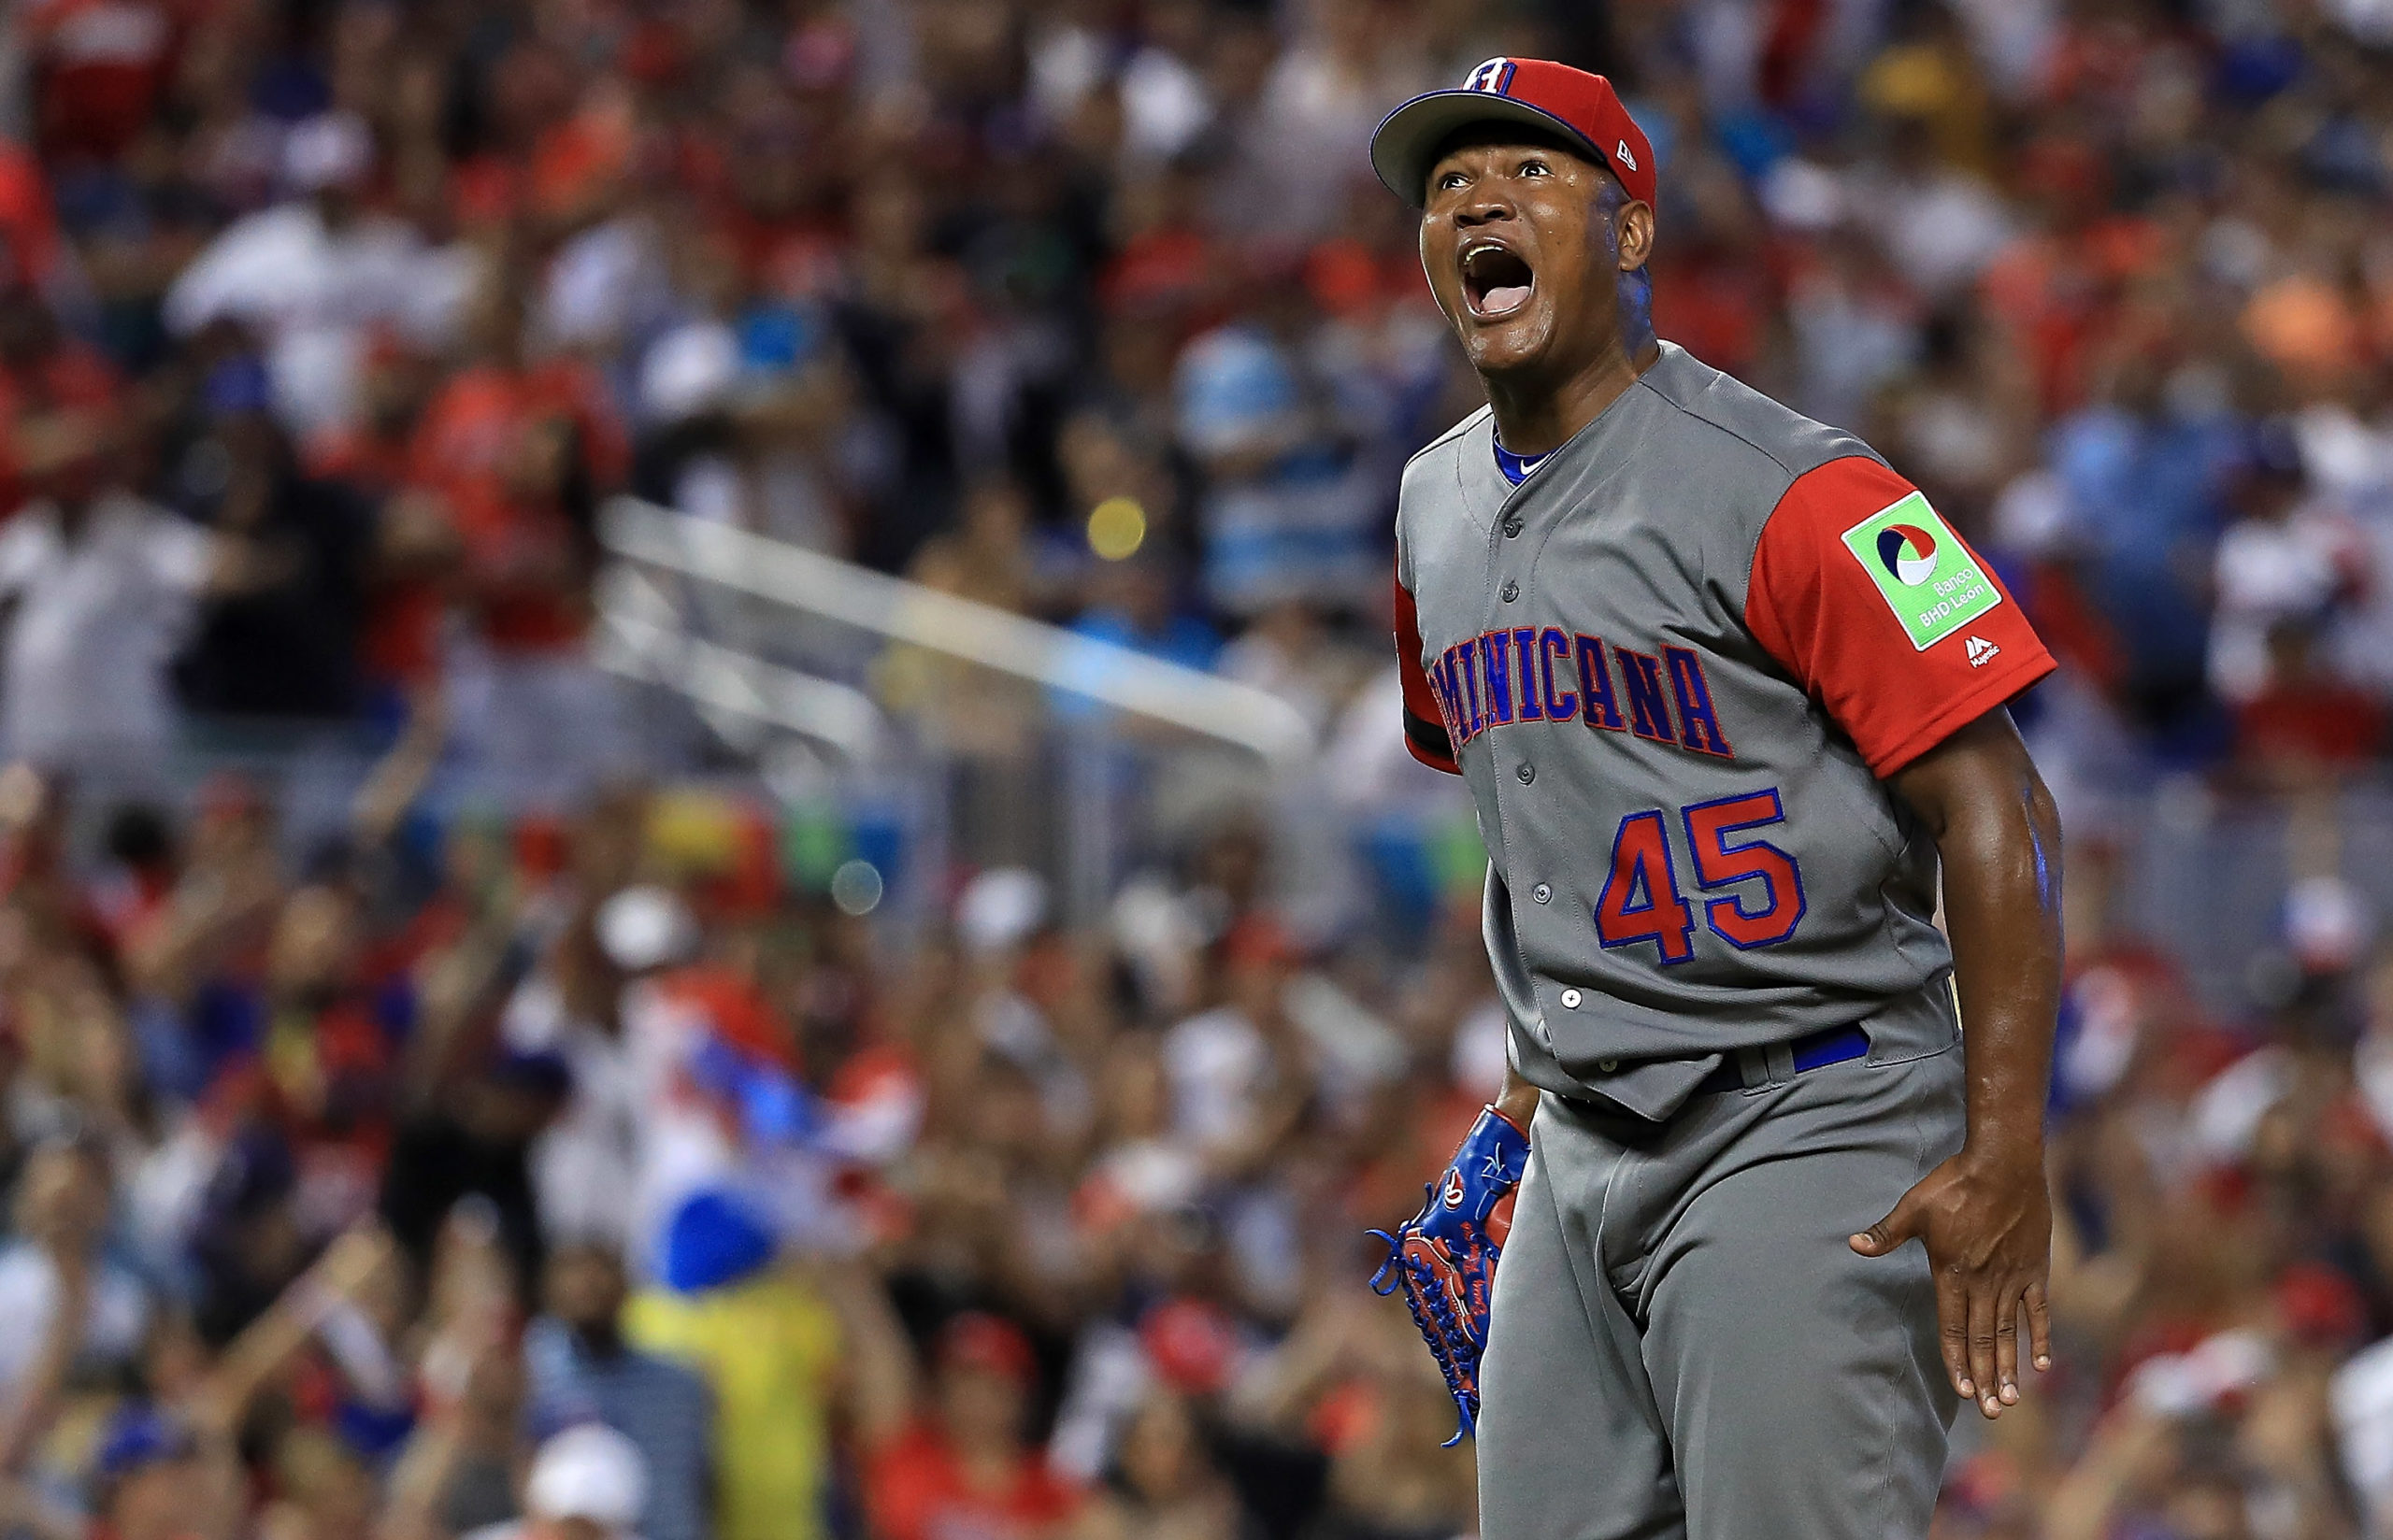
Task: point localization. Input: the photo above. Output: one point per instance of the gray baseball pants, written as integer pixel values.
(1682, 1346)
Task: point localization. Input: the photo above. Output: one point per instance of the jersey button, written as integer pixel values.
(1607, 1065)
(1511, 591)
(1571, 999)
(1527, 774)
(1512, 528)
(1542, 893)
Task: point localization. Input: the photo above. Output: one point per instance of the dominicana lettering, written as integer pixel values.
(1529, 674)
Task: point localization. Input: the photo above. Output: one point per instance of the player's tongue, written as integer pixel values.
(1504, 297)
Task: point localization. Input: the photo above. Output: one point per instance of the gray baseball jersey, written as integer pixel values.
(1675, 659)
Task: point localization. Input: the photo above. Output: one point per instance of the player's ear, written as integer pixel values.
(1634, 229)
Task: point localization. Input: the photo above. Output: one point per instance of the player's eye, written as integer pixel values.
(1451, 180)
(1536, 168)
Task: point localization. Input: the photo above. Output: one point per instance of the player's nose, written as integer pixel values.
(1485, 204)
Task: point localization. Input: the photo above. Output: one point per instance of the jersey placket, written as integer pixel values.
(1523, 523)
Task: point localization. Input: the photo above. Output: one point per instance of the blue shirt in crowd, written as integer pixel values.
(659, 1405)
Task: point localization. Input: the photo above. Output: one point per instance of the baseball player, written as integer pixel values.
(1728, 694)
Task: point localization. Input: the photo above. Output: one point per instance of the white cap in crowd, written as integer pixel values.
(330, 149)
(588, 1472)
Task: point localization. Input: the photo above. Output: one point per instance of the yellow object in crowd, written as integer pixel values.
(768, 1348)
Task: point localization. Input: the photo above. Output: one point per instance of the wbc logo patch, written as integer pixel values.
(1928, 578)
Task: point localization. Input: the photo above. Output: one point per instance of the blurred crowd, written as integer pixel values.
(577, 1160)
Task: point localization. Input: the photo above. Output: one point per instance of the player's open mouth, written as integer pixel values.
(1495, 281)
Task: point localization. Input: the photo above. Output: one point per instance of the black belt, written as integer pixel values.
(1816, 1051)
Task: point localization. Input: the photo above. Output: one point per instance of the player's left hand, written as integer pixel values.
(1987, 1224)
(1445, 1258)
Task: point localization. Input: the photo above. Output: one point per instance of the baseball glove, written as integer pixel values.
(1445, 1258)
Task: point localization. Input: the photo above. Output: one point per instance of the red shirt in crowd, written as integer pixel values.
(29, 241)
(473, 447)
(401, 641)
(70, 376)
(2320, 722)
(918, 1489)
(99, 65)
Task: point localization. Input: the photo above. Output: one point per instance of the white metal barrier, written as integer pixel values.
(759, 634)
(1050, 656)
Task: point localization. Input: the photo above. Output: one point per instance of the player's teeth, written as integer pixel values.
(1501, 299)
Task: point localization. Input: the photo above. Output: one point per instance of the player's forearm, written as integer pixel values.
(2000, 838)
(2002, 908)
(1518, 1098)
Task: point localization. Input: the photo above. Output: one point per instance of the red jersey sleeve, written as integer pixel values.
(1425, 722)
(1863, 593)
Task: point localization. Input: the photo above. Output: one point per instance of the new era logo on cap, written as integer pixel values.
(1582, 109)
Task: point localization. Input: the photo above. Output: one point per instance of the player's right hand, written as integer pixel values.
(1987, 1224)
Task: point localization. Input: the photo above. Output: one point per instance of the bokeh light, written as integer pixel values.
(856, 886)
(1117, 527)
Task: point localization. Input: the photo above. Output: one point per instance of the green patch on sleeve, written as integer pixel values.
(1929, 579)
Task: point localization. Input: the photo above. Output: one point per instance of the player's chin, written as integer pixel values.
(1517, 341)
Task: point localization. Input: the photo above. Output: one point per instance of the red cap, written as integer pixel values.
(1193, 1345)
(1581, 108)
(978, 1340)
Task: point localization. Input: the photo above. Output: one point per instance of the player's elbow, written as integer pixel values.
(2023, 812)
(1987, 808)
(2004, 840)
(2045, 840)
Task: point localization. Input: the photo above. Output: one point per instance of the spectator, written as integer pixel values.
(103, 587)
(1163, 1485)
(43, 370)
(581, 1370)
(966, 1462)
(1240, 1074)
(591, 1166)
(416, 550)
(57, 1271)
(779, 1355)
(457, 1471)
(1133, 607)
(158, 1481)
(518, 451)
(2304, 723)
(2140, 476)
(1291, 479)
(288, 646)
(2286, 561)
(742, 404)
(311, 276)
(587, 1483)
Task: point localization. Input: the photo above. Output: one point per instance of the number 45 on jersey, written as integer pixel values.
(1761, 890)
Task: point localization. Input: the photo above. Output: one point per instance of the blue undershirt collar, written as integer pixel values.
(1516, 468)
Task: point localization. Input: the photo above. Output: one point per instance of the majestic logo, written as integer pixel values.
(1494, 75)
(1620, 152)
(1982, 651)
(1908, 551)
(1931, 581)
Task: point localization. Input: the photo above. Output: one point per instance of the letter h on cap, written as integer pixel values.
(1494, 76)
